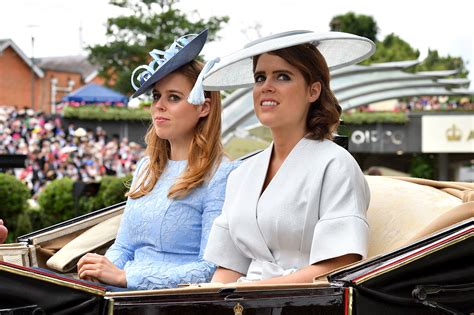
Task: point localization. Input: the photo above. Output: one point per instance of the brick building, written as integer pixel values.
(40, 85)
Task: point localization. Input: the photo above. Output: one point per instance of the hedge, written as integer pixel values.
(105, 113)
(56, 201)
(14, 197)
(112, 191)
(92, 112)
(374, 118)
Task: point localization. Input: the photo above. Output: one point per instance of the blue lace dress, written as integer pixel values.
(161, 241)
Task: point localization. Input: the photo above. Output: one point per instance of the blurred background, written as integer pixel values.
(70, 136)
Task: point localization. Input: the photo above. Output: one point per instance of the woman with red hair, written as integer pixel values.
(178, 188)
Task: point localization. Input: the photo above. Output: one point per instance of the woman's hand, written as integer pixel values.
(3, 232)
(97, 267)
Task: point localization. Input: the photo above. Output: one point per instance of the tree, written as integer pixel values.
(393, 48)
(358, 24)
(151, 24)
(434, 62)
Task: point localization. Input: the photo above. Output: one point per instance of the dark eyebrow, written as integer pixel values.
(169, 91)
(283, 71)
(174, 92)
(274, 72)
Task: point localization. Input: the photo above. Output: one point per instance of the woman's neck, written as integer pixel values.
(284, 141)
(180, 149)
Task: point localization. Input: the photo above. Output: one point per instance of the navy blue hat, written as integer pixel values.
(184, 50)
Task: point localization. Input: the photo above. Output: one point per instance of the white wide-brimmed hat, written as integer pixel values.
(339, 49)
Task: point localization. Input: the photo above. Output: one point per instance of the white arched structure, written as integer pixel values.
(356, 86)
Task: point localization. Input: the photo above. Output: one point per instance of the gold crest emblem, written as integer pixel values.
(238, 309)
(454, 133)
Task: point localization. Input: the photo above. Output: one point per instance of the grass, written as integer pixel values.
(238, 147)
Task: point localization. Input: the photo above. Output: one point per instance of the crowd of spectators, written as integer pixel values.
(57, 151)
(436, 103)
(424, 103)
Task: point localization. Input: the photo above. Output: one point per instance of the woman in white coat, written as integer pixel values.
(298, 209)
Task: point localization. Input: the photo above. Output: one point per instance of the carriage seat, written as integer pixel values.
(96, 239)
(403, 210)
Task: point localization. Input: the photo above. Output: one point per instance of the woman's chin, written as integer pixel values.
(163, 136)
(269, 123)
(162, 133)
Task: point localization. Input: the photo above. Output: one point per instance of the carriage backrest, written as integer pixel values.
(401, 211)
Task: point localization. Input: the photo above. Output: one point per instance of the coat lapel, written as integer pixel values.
(250, 195)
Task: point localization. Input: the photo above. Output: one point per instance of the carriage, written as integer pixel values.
(421, 261)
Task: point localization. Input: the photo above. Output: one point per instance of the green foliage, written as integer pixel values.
(435, 62)
(36, 218)
(393, 48)
(358, 24)
(89, 204)
(29, 220)
(422, 166)
(56, 201)
(14, 197)
(362, 118)
(112, 191)
(106, 113)
(23, 225)
(148, 25)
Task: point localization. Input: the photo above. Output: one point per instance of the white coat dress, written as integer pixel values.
(313, 209)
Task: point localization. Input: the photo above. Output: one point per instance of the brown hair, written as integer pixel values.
(205, 152)
(323, 115)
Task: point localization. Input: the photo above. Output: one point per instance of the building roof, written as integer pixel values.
(74, 64)
(5, 43)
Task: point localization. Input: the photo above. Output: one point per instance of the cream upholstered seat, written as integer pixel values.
(401, 211)
(92, 239)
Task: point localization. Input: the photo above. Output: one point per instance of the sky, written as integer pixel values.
(64, 27)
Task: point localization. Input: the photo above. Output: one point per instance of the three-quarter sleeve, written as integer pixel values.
(169, 275)
(342, 227)
(221, 248)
